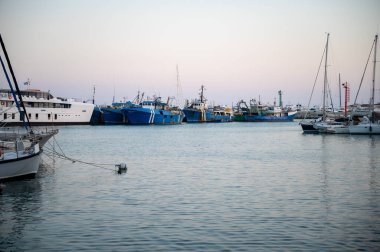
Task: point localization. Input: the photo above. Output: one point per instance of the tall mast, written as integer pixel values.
(325, 80)
(340, 93)
(373, 77)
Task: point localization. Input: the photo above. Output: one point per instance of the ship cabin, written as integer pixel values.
(33, 98)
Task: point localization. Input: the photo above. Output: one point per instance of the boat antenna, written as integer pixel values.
(113, 98)
(179, 90)
(93, 96)
(28, 127)
(201, 94)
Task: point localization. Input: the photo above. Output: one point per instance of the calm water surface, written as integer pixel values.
(207, 187)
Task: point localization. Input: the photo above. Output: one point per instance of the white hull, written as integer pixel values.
(44, 109)
(365, 129)
(22, 166)
(338, 130)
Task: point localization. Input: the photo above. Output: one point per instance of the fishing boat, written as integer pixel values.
(113, 115)
(153, 112)
(257, 112)
(198, 111)
(368, 125)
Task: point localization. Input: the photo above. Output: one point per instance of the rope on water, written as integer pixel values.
(51, 153)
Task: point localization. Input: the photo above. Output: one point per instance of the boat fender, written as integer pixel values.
(121, 168)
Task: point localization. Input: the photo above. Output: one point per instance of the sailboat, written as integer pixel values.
(19, 153)
(317, 125)
(325, 124)
(369, 124)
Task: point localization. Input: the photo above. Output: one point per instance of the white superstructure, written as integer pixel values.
(43, 109)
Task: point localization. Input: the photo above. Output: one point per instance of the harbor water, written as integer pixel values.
(198, 187)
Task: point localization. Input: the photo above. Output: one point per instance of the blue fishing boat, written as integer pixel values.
(113, 115)
(97, 116)
(199, 112)
(258, 112)
(153, 112)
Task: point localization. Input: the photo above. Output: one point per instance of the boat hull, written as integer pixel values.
(199, 116)
(364, 129)
(18, 168)
(260, 118)
(113, 116)
(308, 127)
(338, 130)
(141, 116)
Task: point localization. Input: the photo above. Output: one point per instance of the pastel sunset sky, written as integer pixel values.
(239, 49)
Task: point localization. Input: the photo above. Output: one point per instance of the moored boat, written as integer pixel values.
(368, 125)
(153, 112)
(43, 108)
(257, 112)
(16, 161)
(198, 111)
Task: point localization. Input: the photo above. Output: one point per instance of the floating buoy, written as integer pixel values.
(121, 168)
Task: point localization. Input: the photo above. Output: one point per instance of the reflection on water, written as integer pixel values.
(20, 203)
(237, 186)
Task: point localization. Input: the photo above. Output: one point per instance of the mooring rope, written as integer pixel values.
(51, 153)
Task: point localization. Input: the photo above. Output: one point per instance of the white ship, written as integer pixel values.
(43, 108)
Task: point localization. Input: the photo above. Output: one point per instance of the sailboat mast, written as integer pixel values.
(340, 93)
(373, 77)
(325, 80)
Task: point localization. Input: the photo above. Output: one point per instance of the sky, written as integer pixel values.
(237, 49)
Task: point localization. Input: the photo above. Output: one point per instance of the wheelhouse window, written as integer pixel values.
(5, 116)
(36, 116)
(13, 116)
(49, 116)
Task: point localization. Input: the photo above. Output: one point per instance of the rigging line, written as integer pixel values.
(15, 83)
(315, 81)
(365, 69)
(79, 161)
(50, 151)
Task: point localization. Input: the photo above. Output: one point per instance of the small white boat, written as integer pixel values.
(18, 161)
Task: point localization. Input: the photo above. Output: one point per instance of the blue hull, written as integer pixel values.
(97, 117)
(196, 116)
(112, 116)
(151, 116)
(258, 118)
